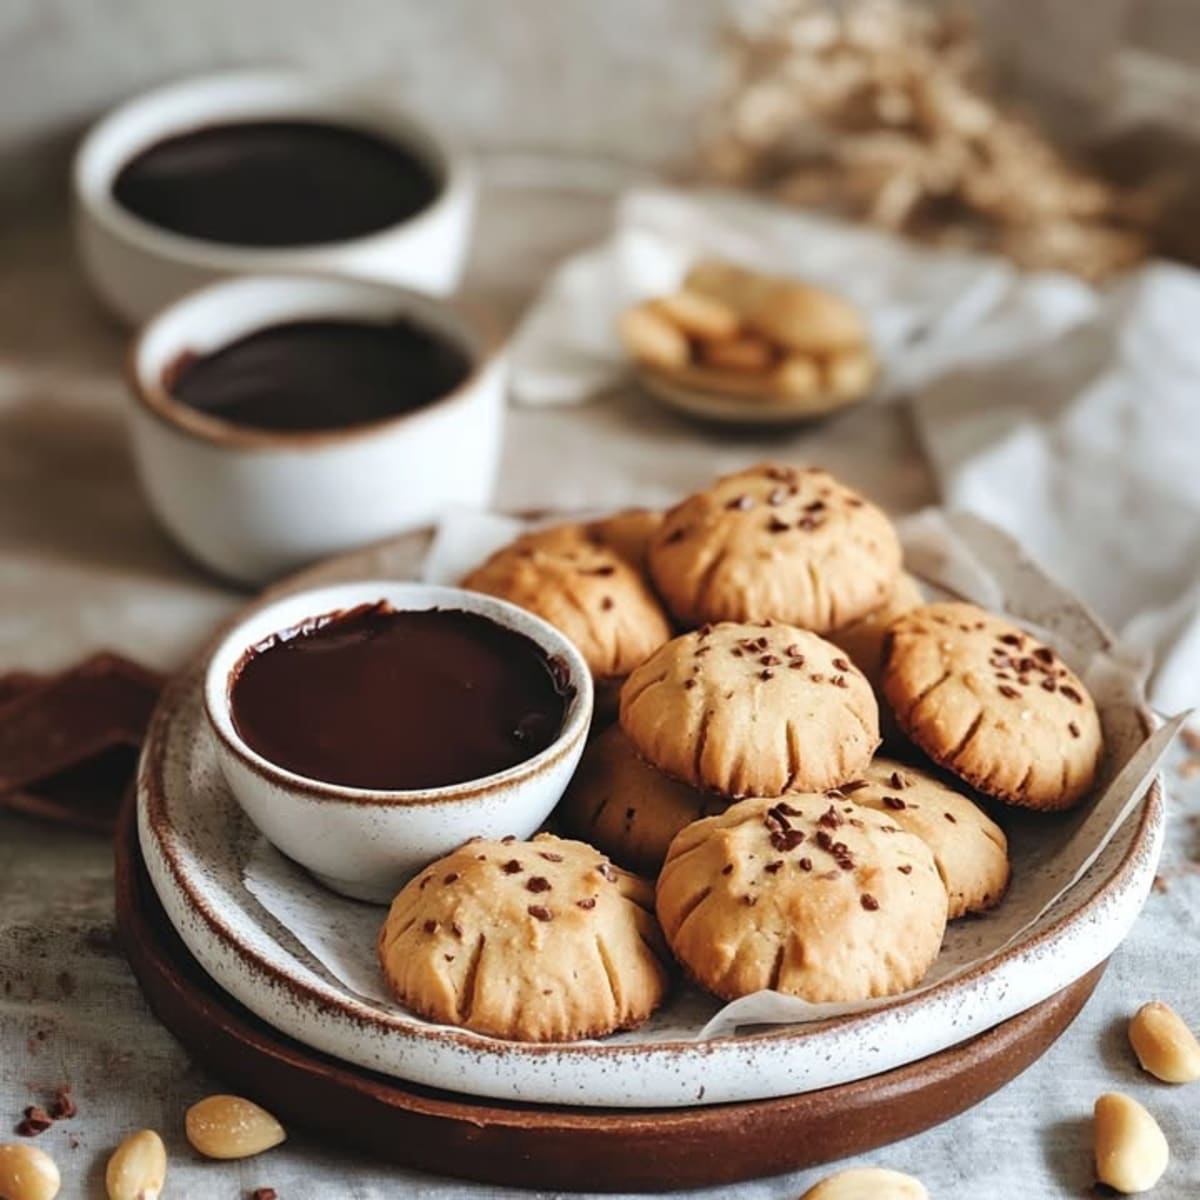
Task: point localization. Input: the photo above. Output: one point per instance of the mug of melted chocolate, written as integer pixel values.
(277, 420)
(368, 729)
(259, 171)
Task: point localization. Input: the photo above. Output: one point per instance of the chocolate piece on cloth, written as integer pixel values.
(69, 742)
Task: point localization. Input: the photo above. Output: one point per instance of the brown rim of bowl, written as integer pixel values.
(156, 399)
(150, 785)
(575, 726)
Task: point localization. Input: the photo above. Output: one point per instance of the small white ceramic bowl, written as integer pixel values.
(251, 504)
(136, 268)
(365, 843)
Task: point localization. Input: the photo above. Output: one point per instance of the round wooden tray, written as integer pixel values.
(547, 1147)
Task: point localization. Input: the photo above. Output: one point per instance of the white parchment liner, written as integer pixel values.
(953, 554)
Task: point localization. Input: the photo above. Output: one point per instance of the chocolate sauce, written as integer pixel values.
(276, 183)
(374, 698)
(314, 375)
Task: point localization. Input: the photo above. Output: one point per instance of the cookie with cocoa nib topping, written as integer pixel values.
(751, 709)
(804, 894)
(992, 704)
(775, 543)
(568, 575)
(534, 941)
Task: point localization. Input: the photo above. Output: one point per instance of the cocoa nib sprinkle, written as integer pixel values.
(906, 869)
(540, 913)
(63, 1107)
(740, 503)
(805, 864)
(450, 877)
(1071, 694)
(550, 856)
(264, 1194)
(586, 902)
(1010, 692)
(36, 1121)
(772, 867)
(764, 675)
(607, 871)
(831, 818)
(537, 883)
(430, 926)
(775, 525)
(512, 867)
(894, 802)
(787, 839)
(1073, 729)
(841, 664)
(868, 902)
(951, 818)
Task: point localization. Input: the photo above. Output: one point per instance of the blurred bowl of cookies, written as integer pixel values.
(738, 346)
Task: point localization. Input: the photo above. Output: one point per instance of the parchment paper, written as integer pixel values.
(955, 555)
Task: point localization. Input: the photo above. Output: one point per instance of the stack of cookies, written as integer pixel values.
(756, 634)
(744, 334)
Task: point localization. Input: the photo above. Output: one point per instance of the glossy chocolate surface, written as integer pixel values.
(374, 698)
(319, 375)
(276, 183)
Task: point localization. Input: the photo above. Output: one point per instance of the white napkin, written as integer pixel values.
(1069, 416)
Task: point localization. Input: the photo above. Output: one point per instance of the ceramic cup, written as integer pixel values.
(250, 504)
(366, 843)
(135, 268)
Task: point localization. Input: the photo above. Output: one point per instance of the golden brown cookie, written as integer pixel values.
(994, 705)
(970, 849)
(775, 543)
(535, 941)
(585, 589)
(862, 640)
(808, 895)
(792, 314)
(751, 710)
(628, 533)
(626, 807)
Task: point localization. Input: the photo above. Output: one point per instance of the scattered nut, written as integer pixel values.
(1131, 1151)
(27, 1173)
(230, 1127)
(1164, 1045)
(867, 1183)
(137, 1168)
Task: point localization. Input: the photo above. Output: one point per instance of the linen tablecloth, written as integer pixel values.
(82, 566)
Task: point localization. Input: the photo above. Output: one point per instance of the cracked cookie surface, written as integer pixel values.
(775, 543)
(761, 709)
(537, 941)
(970, 849)
(805, 894)
(992, 704)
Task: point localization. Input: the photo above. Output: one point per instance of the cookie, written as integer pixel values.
(534, 941)
(992, 704)
(807, 895)
(794, 315)
(775, 543)
(698, 316)
(628, 533)
(756, 710)
(862, 640)
(585, 589)
(651, 339)
(626, 807)
(970, 849)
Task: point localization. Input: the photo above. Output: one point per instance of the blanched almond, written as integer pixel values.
(230, 1127)
(27, 1173)
(137, 1168)
(1164, 1045)
(1131, 1151)
(867, 1183)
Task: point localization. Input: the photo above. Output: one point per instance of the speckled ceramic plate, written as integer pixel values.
(198, 844)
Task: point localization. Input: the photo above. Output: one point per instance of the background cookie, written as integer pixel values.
(626, 807)
(808, 895)
(989, 702)
(534, 941)
(583, 588)
(751, 710)
(775, 543)
(628, 533)
(970, 849)
(862, 640)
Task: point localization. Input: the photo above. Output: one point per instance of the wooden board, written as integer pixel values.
(547, 1147)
